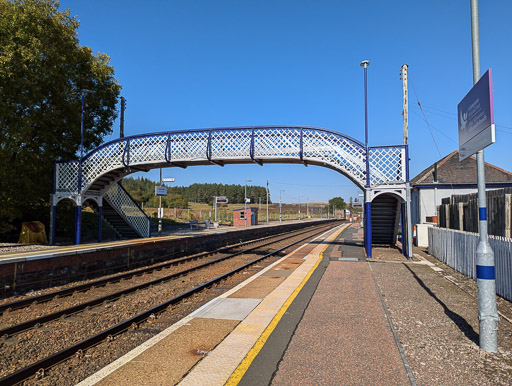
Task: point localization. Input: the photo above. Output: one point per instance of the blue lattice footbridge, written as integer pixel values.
(96, 177)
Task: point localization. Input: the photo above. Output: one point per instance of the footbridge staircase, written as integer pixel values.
(376, 170)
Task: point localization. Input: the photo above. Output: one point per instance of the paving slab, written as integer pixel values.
(227, 308)
(171, 358)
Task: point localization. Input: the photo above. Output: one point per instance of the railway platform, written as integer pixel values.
(23, 268)
(324, 314)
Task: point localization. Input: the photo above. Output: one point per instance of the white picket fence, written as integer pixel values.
(458, 250)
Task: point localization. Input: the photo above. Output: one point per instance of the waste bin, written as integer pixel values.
(207, 224)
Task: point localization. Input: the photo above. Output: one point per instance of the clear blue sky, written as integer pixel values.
(202, 64)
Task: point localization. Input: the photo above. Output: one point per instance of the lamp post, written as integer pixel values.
(160, 210)
(367, 203)
(245, 201)
(78, 214)
(280, 205)
(299, 206)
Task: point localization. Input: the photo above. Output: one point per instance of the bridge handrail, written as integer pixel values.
(124, 204)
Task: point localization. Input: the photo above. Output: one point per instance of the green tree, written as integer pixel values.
(42, 71)
(338, 202)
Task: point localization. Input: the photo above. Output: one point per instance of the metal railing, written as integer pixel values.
(124, 204)
(285, 144)
(458, 250)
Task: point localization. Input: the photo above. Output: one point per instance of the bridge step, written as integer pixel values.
(116, 221)
(384, 220)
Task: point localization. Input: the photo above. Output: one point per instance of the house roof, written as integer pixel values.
(451, 171)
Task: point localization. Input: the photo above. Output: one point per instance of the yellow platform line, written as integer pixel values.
(240, 371)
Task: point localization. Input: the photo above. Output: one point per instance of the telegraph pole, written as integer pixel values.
(405, 113)
(485, 276)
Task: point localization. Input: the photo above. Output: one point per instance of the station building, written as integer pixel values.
(240, 216)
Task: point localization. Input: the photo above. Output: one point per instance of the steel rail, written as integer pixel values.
(66, 353)
(102, 282)
(18, 328)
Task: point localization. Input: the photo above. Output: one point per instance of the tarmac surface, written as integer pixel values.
(323, 337)
(324, 314)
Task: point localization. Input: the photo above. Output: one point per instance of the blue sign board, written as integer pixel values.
(160, 190)
(476, 118)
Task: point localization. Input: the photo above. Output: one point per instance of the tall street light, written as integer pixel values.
(160, 210)
(280, 205)
(82, 93)
(78, 220)
(245, 201)
(299, 206)
(367, 222)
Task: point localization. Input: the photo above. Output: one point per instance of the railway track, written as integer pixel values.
(186, 283)
(216, 257)
(29, 300)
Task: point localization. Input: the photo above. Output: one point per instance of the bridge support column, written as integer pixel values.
(78, 221)
(368, 224)
(100, 218)
(403, 222)
(409, 217)
(53, 214)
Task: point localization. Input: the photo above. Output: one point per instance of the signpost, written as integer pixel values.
(219, 200)
(161, 191)
(476, 118)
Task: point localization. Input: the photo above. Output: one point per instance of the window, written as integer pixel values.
(242, 215)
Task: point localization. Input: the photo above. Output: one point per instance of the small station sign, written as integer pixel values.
(160, 190)
(476, 118)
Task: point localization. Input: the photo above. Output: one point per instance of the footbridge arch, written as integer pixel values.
(96, 176)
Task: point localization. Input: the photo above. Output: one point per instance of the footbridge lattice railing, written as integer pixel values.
(289, 144)
(124, 204)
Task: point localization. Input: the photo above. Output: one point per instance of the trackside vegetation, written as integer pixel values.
(43, 70)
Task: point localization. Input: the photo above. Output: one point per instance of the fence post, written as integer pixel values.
(461, 216)
(447, 215)
(508, 215)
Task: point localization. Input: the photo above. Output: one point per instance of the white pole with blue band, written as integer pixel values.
(485, 277)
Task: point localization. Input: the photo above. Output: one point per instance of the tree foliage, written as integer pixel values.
(143, 190)
(337, 202)
(42, 71)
